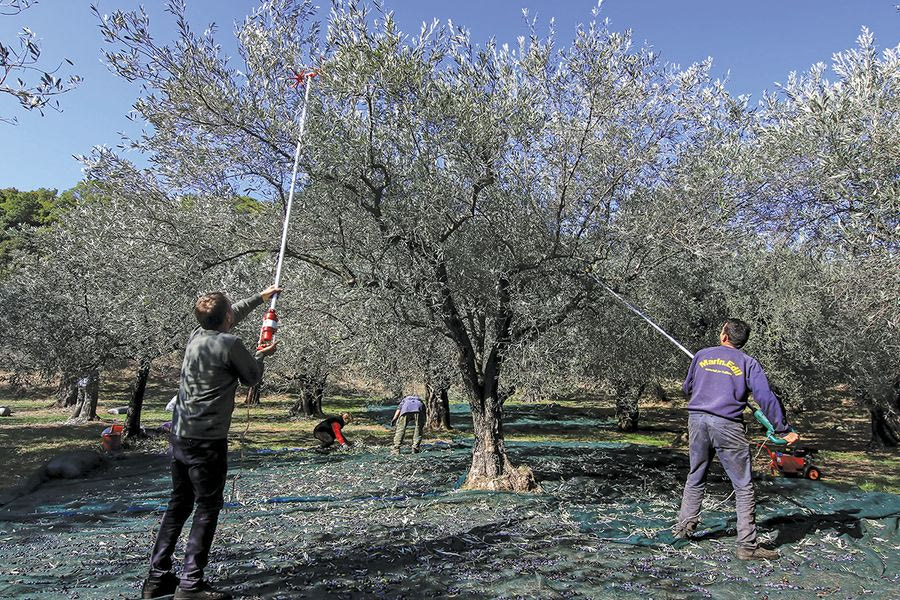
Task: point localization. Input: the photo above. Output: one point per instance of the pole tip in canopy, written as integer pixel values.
(299, 78)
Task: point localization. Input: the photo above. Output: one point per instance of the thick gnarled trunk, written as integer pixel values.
(67, 391)
(309, 399)
(885, 430)
(491, 468)
(657, 392)
(136, 402)
(480, 370)
(88, 391)
(628, 413)
(884, 415)
(437, 402)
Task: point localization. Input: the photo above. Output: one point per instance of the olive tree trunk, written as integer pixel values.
(253, 394)
(884, 415)
(136, 402)
(309, 398)
(437, 402)
(88, 391)
(491, 468)
(67, 391)
(628, 412)
(480, 369)
(658, 393)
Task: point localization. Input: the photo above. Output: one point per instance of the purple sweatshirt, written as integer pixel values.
(721, 378)
(411, 404)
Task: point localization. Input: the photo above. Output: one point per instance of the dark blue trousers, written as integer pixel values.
(198, 478)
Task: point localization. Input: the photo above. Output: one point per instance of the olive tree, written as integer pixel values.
(113, 280)
(466, 186)
(22, 75)
(825, 159)
(53, 320)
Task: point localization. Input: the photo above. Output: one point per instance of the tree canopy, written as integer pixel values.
(458, 201)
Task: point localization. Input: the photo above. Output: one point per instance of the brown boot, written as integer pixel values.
(758, 553)
(684, 531)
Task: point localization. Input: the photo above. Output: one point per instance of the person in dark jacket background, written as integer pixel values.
(719, 381)
(214, 362)
(331, 430)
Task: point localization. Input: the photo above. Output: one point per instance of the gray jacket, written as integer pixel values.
(213, 364)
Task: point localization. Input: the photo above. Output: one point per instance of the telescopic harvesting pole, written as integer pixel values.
(307, 77)
(270, 320)
(638, 312)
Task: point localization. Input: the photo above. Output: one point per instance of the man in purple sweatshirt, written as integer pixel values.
(718, 382)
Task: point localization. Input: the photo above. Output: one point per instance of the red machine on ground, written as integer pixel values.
(792, 462)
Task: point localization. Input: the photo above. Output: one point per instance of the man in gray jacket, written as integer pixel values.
(214, 362)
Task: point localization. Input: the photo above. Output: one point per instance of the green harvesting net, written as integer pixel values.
(365, 524)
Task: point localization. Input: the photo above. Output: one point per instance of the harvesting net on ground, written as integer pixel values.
(365, 524)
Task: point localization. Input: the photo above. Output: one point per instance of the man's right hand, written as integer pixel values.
(791, 437)
(268, 349)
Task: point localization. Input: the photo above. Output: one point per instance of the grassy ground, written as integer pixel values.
(36, 430)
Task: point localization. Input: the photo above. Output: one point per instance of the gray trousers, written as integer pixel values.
(711, 435)
(417, 419)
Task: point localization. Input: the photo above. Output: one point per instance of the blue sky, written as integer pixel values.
(758, 42)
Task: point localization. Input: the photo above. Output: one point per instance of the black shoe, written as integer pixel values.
(157, 587)
(202, 592)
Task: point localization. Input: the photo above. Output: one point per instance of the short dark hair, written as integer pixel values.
(738, 332)
(211, 309)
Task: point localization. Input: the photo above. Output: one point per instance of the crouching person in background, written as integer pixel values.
(411, 411)
(214, 362)
(331, 430)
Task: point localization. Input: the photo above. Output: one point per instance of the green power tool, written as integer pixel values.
(770, 430)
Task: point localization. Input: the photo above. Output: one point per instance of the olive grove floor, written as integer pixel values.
(365, 524)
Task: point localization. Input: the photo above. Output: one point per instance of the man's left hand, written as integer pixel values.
(791, 437)
(269, 292)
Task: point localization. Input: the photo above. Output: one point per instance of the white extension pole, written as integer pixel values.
(287, 213)
(637, 311)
